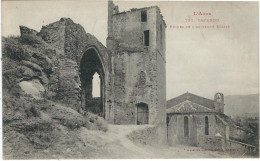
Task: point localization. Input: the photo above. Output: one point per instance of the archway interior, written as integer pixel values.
(96, 85)
(91, 67)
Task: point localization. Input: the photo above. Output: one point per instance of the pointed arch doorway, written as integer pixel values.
(91, 65)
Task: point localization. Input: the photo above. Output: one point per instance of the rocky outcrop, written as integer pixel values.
(41, 86)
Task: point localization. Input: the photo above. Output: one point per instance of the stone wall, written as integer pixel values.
(211, 142)
(222, 127)
(176, 130)
(71, 41)
(200, 120)
(127, 90)
(196, 128)
(129, 58)
(53, 57)
(129, 23)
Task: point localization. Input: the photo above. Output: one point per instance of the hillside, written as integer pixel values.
(42, 113)
(39, 119)
(242, 105)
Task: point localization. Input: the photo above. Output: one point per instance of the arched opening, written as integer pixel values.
(186, 126)
(92, 74)
(206, 125)
(142, 114)
(96, 86)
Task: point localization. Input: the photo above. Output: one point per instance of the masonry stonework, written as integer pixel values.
(130, 57)
(131, 68)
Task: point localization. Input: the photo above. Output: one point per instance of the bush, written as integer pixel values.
(95, 122)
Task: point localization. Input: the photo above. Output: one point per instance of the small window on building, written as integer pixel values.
(206, 125)
(143, 16)
(146, 37)
(186, 126)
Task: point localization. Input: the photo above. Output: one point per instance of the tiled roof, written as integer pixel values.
(193, 98)
(188, 107)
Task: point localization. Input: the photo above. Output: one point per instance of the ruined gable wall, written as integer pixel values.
(72, 41)
(128, 29)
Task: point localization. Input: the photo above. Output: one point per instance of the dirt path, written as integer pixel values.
(115, 144)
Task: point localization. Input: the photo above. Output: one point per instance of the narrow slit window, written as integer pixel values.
(206, 125)
(142, 78)
(143, 16)
(146, 38)
(186, 126)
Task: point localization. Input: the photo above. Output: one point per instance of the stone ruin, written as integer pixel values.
(58, 63)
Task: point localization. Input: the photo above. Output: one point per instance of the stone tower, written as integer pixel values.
(136, 41)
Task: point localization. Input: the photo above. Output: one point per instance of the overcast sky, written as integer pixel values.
(201, 61)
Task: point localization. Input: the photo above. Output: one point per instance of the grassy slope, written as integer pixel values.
(42, 129)
(38, 128)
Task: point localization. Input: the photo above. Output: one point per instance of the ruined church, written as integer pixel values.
(48, 83)
(131, 70)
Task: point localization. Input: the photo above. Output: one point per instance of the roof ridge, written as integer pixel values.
(178, 108)
(193, 103)
(191, 94)
(192, 97)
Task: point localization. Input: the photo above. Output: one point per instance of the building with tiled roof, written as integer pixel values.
(199, 121)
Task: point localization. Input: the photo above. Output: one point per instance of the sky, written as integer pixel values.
(202, 61)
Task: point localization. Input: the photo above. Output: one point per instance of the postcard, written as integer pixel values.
(130, 79)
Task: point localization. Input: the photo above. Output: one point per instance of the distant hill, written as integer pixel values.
(242, 105)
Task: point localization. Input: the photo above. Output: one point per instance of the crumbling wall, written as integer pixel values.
(128, 92)
(129, 23)
(129, 58)
(160, 35)
(72, 41)
(53, 57)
